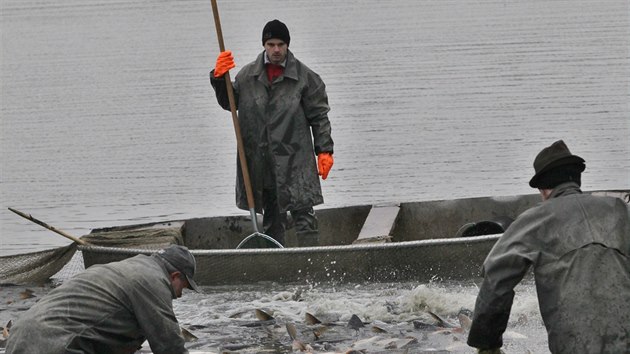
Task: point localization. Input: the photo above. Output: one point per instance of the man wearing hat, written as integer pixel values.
(111, 308)
(283, 117)
(579, 248)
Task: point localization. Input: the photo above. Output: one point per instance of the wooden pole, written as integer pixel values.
(51, 228)
(237, 129)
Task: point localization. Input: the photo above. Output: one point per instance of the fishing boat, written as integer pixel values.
(419, 241)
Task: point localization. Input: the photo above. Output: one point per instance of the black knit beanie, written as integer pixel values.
(275, 29)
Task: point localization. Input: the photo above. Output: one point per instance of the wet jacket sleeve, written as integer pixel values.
(316, 108)
(220, 90)
(503, 269)
(152, 304)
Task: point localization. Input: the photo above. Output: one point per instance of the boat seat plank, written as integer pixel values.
(379, 224)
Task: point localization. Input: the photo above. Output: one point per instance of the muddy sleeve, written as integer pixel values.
(220, 90)
(503, 269)
(316, 108)
(152, 305)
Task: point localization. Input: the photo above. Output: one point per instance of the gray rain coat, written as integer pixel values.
(283, 126)
(108, 308)
(579, 247)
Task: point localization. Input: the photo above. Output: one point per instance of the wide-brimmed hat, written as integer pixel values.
(181, 258)
(557, 154)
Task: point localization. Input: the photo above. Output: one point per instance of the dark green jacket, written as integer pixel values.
(287, 120)
(579, 248)
(108, 308)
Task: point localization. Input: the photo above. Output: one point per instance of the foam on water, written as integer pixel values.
(219, 314)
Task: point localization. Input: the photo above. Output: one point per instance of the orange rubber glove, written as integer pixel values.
(225, 62)
(324, 163)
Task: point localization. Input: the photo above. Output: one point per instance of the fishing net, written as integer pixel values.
(39, 266)
(34, 267)
(156, 238)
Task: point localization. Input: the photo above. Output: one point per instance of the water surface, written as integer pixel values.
(108, 118)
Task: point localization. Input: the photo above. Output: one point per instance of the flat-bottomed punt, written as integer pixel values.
(416, 241)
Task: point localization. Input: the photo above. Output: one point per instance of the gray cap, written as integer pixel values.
(181, 258)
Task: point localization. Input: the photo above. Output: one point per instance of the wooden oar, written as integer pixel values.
(51, 228)
(239, 139)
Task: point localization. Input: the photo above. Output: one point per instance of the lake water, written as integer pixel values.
(108, 117)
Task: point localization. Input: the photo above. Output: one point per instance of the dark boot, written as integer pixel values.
(274, 221)
(307, 238)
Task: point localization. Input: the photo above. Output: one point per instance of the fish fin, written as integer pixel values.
(263, 316)
(238, 314)
(291, 330)
(188, 336)
(311, 320)
(297, 344)
(464, 321)
(355, 322)
(27, 294)
(440, 321)
(317, 332)
(377, 329)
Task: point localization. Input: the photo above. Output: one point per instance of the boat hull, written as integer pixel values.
(425, 237)
(441, 259)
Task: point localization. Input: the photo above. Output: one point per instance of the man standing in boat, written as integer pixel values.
(579, 248)
(283, 117)
(111, 308)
